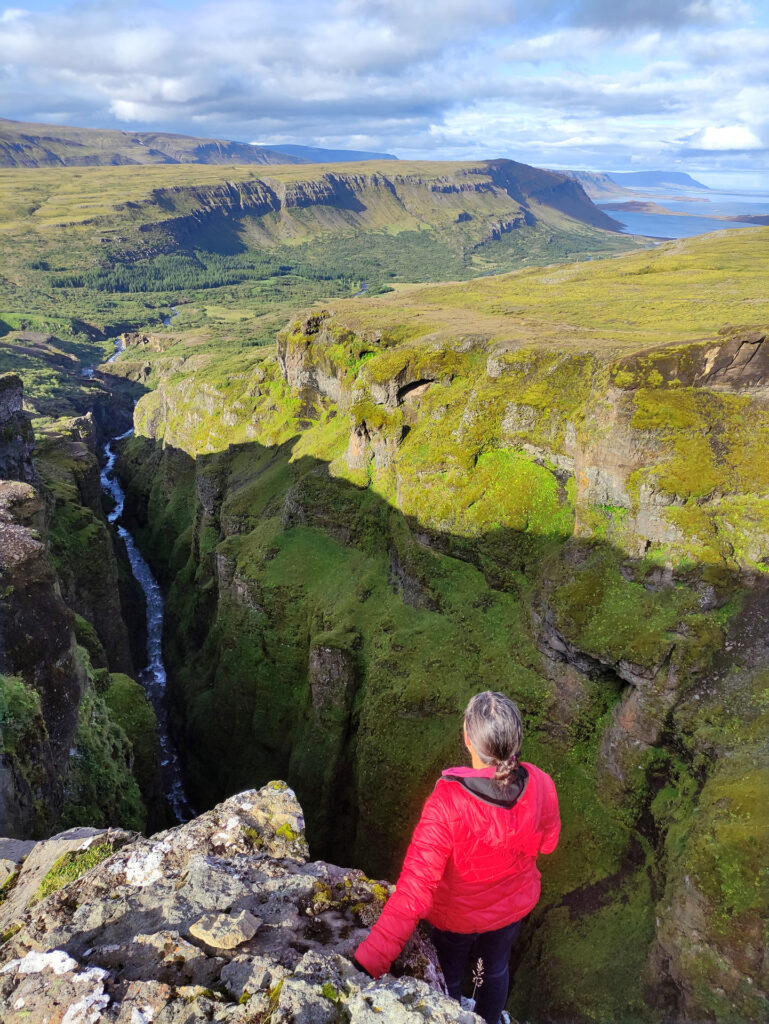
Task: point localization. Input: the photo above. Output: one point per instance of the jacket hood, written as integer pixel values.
(493, 820)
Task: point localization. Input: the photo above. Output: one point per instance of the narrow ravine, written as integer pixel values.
(153, 676)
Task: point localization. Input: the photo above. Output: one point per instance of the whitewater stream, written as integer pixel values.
(153, 676)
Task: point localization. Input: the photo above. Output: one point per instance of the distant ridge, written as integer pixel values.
(47, 145)
(598, 185)
(656, 179)
(314, 155)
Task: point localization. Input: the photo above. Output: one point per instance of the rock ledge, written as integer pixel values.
(124, 943)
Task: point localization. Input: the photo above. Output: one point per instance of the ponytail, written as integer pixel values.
(494, 727)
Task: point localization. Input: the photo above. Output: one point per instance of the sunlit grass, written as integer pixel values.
(679, 291)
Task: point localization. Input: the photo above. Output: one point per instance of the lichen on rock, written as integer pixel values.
(145, 934)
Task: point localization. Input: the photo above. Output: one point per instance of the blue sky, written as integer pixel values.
(591, 84)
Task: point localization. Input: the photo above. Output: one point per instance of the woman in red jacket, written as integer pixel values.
(471, 867)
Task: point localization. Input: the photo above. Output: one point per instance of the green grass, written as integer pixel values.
(106, 246)
(610, 306)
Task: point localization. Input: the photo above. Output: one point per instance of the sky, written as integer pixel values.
(585, 84)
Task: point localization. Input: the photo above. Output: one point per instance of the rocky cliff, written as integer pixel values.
(65, 756)
(466, 205)
(17, 439)
(224, 919)
(411, 501)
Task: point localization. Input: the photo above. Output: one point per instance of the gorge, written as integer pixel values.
(551, 482)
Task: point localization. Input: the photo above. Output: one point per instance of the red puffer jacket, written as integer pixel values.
(471, 865)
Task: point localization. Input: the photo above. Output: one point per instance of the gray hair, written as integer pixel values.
(494, 727)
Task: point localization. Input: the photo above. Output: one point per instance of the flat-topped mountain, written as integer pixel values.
(80, 242)
(47, 145)
(602, 186)
(28, 144)
(598, 186)
(656, 179)
(319, 155)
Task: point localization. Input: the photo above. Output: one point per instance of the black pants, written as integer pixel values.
(493, 948)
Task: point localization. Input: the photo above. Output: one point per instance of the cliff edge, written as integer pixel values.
(221, 919)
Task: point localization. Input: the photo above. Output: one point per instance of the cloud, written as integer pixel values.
(725, 137)
(612, 83)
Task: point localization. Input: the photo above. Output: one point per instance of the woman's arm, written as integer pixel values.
(551, 818)
(422, 870)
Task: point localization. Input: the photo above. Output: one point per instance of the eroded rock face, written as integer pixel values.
(36, 644)
(332, 678)
(17, 439)
(221, 919)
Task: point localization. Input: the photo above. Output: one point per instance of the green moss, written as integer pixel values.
(7, 887)
(87, 637)
(100, 787)
(573, 967)
(286, 832)
(130, 709)
(611, 617)
(21, 722)
(71, 866)
(10, 932)
(254, 838)
(331, 992)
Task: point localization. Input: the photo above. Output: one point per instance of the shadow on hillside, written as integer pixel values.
(251, 546)
(317, 634)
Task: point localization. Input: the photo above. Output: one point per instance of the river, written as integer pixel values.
(153, 676)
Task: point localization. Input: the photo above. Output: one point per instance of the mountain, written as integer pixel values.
(103, 245)
(41, 145)
(655, 179)
(598, 186)
(313, 155)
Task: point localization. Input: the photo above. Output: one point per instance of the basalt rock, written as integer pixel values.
(83, 549)
(36, 643)
(124, 942)
(17, 439)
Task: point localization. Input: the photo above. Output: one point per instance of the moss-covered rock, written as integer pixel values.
(100, 788)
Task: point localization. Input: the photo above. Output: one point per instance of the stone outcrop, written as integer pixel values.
(34, 860)
(17, 439)
(83, 548)
(739, 362)
(61, 630)
(36, 643)
(222, 919)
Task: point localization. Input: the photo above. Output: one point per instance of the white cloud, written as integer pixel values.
(609, 80)
(733, 136)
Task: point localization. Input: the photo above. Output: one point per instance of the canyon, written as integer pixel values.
(550, 482)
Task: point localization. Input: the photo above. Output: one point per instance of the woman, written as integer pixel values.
(471, 867)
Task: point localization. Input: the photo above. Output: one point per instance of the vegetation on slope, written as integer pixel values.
(436, 502)
(101, 248)
(443, 499)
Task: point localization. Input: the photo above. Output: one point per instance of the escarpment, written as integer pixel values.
(16, 436)
(363, 529)
(465, 207)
